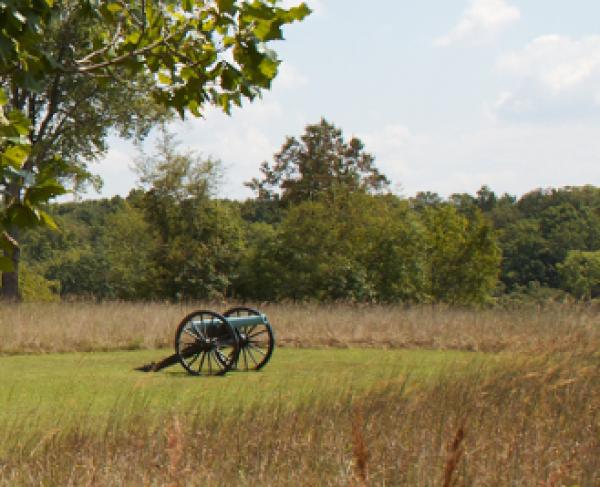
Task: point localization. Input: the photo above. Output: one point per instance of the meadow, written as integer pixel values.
(354, 395)
(85, 326)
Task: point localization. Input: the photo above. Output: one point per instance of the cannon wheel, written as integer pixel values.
(256, 342)
(206, 344)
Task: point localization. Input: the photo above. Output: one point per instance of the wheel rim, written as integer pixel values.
(206, 344)
(256, 342)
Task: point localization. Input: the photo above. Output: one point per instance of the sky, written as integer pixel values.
(447, 95)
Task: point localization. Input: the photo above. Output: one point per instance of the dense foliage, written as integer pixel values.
(345, 239)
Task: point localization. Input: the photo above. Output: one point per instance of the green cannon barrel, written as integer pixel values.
(236, 321)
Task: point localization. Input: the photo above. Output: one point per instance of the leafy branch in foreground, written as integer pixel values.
(76, 69)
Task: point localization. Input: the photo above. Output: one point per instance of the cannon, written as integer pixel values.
(208, 343)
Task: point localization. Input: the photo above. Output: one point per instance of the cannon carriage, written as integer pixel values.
(208, 343)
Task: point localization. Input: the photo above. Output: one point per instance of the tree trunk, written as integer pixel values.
(10, 280)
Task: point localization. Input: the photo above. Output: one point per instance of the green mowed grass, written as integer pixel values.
(100, 390)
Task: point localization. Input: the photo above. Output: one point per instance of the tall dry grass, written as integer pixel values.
(535, 422)
(109, 326)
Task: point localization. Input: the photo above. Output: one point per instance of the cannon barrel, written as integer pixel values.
(236, 322)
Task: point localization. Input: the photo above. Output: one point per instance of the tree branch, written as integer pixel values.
(124, 57)
(102, 50)
(53, 100)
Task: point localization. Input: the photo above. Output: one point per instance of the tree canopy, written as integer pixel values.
(318, 165)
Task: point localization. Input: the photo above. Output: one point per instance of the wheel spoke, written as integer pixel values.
(201, 363)
(214, 358)
(198, 328)
(250, 330)
(222, 358)
(224, 361)
(192, 334)
(257, 349)
(251, 356)
(245, 358)
(191, 362)
(262, 332)
(259, 343)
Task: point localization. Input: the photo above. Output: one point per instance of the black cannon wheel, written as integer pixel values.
(206, 344)
(256, 342)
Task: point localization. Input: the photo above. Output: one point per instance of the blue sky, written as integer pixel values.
(448, 95)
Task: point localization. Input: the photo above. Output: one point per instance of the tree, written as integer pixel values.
(128, 244)
(393, 250)
(425, 199)
(317, 165)
(525, 254)
(486, 199)
(102, 250)
(315, 255)
(64, 64)
(359, 247)
(199, 238)
(580, 274)
(463, 257)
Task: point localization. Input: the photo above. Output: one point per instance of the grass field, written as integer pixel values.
(523, 410)
(49, 391)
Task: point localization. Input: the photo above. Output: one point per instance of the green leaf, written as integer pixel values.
(19, 122)
(194, 107)
(47, 220)
(230, 78)
(44, 192)
(187, 73)
(298, 13)
(23, 215)
(3, 98)
(268, 30)
(133, 38)
(15, 155)
(268, 67)
(227, 6)
(114, 8)
(165, 79)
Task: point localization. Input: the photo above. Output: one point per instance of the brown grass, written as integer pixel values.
(59, 327)
(454, 455)
(360, 453)
(531, 423)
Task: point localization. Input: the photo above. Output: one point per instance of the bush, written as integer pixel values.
(35, 287)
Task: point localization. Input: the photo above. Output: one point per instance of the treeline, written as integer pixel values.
(322, 227)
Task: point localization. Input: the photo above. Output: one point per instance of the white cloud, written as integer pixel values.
(482, 20)
(289, 77)
(558, 63)
(509, 158)
(553, 76)
(395, 148)
(115, 170)
(508, 102)
(241, 141)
